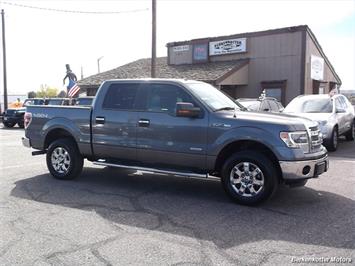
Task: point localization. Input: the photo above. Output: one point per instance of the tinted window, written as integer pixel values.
(84, 101)
(55, 102)
(274, 106)
(33, 102)
(120, 96)
(163, 98)
(265, 106)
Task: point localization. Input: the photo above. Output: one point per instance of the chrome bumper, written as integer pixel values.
(304, 169)
(26, 142)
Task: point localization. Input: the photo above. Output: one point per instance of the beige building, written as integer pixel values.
(284, 62)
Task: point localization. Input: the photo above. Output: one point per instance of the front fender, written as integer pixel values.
(265, 137)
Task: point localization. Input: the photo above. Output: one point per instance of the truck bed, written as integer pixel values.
(74, 119)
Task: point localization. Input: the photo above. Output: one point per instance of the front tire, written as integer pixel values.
(350, 135)
(249, 177)
(8, 125)
(64, 160)
(332, 144)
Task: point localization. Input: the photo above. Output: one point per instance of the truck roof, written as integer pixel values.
(182, 81)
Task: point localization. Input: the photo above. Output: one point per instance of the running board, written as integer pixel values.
(156, 171)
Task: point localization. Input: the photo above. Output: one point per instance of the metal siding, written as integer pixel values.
(272, 57)
(267, 46)
(311, 49)
(273, 68)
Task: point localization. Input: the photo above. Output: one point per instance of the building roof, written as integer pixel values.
(208, 72)
(244, 35)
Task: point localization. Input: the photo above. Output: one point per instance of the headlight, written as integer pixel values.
(298, 139)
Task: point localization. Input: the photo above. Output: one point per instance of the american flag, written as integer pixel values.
(73, 88)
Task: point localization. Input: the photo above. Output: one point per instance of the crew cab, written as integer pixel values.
(178, 127)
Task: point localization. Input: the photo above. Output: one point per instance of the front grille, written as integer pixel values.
(316, 138)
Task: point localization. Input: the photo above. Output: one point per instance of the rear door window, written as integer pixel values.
(121, 96)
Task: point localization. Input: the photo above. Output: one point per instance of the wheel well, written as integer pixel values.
(57, 134)
(244, 145)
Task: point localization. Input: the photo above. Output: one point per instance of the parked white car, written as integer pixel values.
(335, 115)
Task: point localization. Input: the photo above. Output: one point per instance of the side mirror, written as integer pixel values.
(187, 110)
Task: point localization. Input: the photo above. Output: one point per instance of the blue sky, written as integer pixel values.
(40, 43)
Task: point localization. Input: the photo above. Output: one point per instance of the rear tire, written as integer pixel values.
(64, 160)
(249, 177)
(350, 135)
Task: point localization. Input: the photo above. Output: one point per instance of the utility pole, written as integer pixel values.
(154, 37)
(82, 72)
(4, 57)
(98, 64)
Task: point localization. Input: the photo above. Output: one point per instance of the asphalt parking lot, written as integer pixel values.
(116, 217)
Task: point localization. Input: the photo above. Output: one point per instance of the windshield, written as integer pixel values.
(307, 105)
(33, 102)
(213, 97)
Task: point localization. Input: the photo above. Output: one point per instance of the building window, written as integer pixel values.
(200, 53)
(275, 89)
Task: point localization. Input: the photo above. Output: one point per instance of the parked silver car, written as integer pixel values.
(335, 115)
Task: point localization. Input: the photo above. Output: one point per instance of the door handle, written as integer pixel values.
(100, 120)
(144, 122)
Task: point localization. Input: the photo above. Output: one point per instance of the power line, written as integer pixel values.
(73, 11)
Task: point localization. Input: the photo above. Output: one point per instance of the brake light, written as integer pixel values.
(27, 119)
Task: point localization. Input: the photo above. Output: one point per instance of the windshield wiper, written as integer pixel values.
(224, 108)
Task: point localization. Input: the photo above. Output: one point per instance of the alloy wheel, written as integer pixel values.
(60, 160)
(247, 179)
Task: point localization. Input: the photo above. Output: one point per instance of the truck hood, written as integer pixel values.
(271, 118)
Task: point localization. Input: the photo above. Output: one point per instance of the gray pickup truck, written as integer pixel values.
(179, 127)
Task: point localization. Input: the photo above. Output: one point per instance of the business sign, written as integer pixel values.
(228, 46)
(317, 67)
(200, 52)
(181, 48)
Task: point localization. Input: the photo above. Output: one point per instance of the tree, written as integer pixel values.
(62, 94)
(31, 94)
(47, 91)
